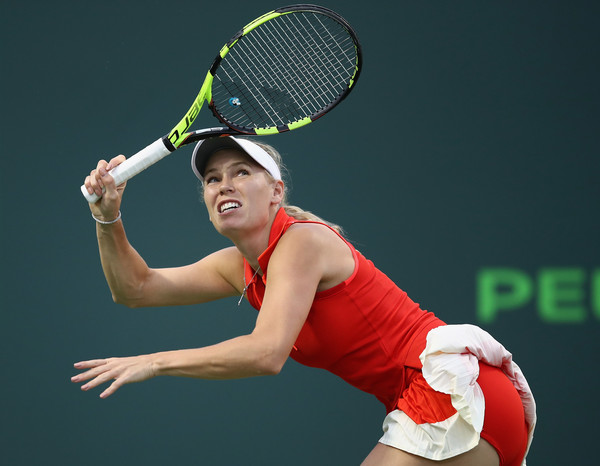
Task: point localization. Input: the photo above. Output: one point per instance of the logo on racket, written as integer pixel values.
(235, 102)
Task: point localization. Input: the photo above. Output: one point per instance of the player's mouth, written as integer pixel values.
(228, 206)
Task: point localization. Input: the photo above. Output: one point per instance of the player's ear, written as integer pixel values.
(278, 192)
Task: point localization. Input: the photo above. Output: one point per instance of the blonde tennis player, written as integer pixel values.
(452, 394)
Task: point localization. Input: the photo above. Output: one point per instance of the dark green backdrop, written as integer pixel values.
(470, 143)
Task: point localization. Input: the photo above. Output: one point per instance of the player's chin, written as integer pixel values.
(228, 220)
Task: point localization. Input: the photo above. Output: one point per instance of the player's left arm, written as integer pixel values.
(295, 271)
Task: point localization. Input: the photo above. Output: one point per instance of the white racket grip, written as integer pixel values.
(132, 166)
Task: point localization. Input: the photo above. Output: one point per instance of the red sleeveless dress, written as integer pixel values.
(365, 330)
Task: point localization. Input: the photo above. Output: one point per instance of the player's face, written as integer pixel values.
(238, 192)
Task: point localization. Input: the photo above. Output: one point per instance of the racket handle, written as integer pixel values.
(132, 166)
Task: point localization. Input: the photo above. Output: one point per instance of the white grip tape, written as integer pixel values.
(132, 166)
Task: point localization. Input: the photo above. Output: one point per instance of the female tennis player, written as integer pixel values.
(451, 392)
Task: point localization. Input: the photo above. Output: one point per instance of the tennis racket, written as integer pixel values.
(282, 71)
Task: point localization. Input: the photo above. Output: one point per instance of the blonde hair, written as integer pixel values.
(293, 211)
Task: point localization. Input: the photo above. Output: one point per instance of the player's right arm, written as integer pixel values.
(131, 281)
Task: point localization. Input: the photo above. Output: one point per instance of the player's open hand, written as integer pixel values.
(121, 370)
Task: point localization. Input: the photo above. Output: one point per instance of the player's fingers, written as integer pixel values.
(109, 181)
(113, 387)
(94, 182)
(99, 380)
(101, 164)
(100, 371)
(94, 371)
(115, 161)
(88, 184)
(89, 364)
(109, 184)
(95, 178)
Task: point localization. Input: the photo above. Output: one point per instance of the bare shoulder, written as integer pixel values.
(315, 248)
(313, 233)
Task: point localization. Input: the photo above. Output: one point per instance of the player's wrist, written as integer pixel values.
(110, 221)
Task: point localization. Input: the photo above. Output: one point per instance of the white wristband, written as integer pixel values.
(108, 223)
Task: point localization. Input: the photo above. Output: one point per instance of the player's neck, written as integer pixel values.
(252, 243)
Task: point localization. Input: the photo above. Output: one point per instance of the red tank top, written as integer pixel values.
(364, 330)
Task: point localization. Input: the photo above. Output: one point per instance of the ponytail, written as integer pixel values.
(301, 214)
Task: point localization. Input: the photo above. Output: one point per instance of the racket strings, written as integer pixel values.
(276, 73)
(284, 76)
(259, 75)
(288, 69)
(328, 46)
(319, 85)
(312, 59)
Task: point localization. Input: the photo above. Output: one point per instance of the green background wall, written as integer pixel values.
(471, 142)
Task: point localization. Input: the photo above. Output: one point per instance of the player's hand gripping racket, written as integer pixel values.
(280, 72)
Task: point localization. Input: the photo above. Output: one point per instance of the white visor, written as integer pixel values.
(204, 149)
